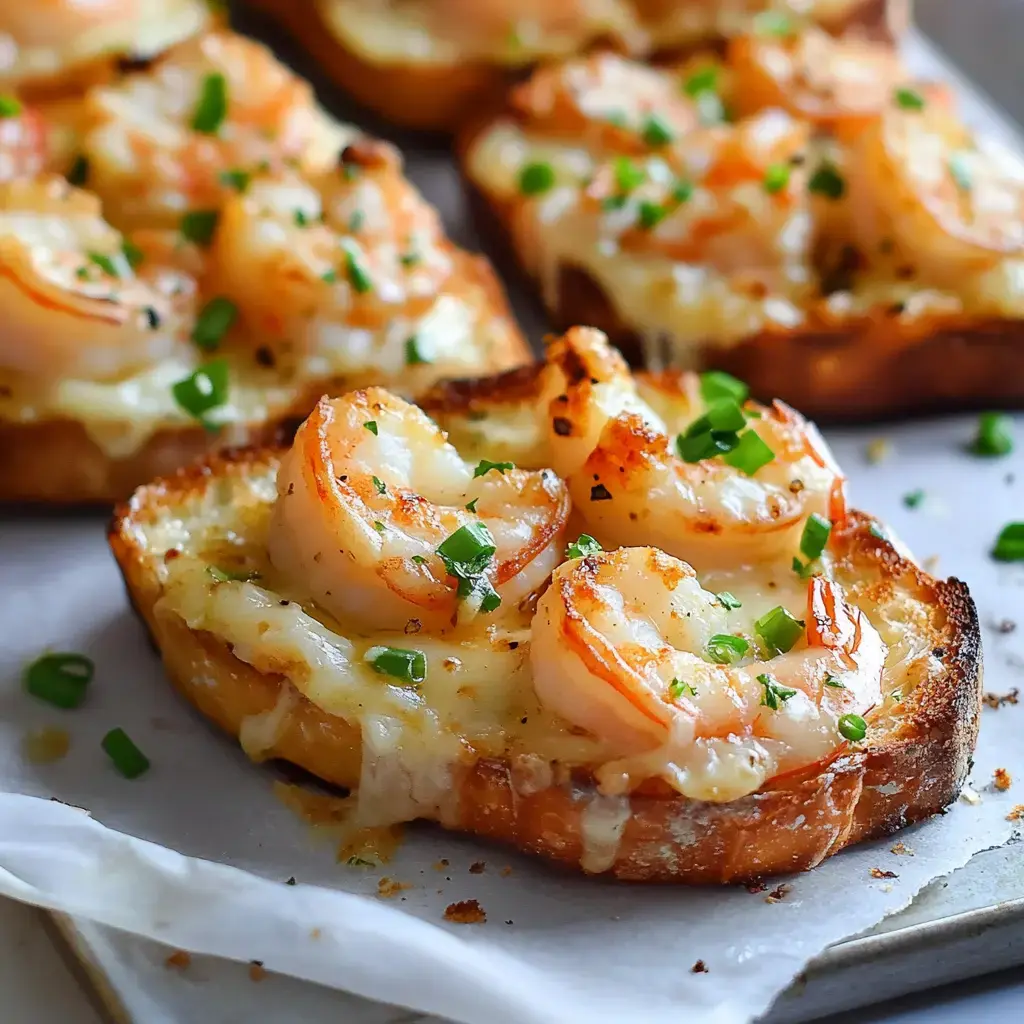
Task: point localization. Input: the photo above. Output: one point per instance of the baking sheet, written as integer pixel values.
(576, 948)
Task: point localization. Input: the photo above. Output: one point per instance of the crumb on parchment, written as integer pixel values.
(901, 849)
(257, 972)
(756, 886)
(179, 960)
(477, 867)
(779, 893)
(465, 912)
(388, 887)
(879, 873)
(1001, 780)
(1017, 814)
(878, 449)
(441, 864)
(506, 871)
(699, 968)
(997, 700)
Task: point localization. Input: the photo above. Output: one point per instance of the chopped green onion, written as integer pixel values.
(108, 264)
(1009, 546)
(469, 548)
(776, 178)
(371, 426)
(231, 576)
(409, 259)
(830, 680)
(329, 276)
(203, 390)
(805, 570)
(909, 99)
(682, 191)
(9, 106)
(876, 531)
(379, 485)
(79, 172)
(536, 178)
(613, 203)
(995, 435)
(651, 214)
(705, 80)
(725, 649)
(485, 466)
(356, 221)
(480, 587)
(773, 692)
(471, 505)
(581, 547)
(710, 108)
(728, 601)
(815, 536)
(60, 679)
(199, 225)
(773, 23)
(413, 353)
(716, 384)
(212, 107)
(300, 218)
(358, 276)
(750, 454)
(960, 170)
(419, 559)
(656, 132)
(214, 321)
(627, 175)
(399, 663)
(827, 181)
(677, 688)
(723, 414)
(706, 446)
(853, 727)
(913, 499)
(779, 630)
(128, 759)
(236, 179)
(132, 254)
(379, 526)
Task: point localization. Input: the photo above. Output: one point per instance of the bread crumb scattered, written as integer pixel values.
(45, 746)
(997, 700)
(1001, 780)
(441, 864)
(699, 968)
(901, 849)
(257, 972)
(315, 933)
(477, 868)
(179, 960)
(756, 886)
(506, 871)
(1017, 814)
(877, 450)
(388, 887)
(465, 912)
(879, 873)
(969, 796)
(778, 894)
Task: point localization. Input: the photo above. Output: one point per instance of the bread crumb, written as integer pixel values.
(997, 700)
(969, 796)
(465, 912)
(441, 864)
(179, 960)
(778, 894)
(477, 868)
(388, 887)
(1017, 814)
(257, 972)
(506, 871)
(45, 746)
(879, 873)
(315, 933)
(1001, 780)
(756, 886)
(699, 968)
(901, 849)
(877, 450)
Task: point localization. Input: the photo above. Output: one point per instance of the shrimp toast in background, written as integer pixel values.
(193, 253)
(449, 629)
(795, 211)
(433, 64)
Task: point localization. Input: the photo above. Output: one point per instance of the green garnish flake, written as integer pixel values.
(301, 218)
(651, 214)
(815, 536)
(371, 426)
(728, 601)
(235, 179)
(912, 499)
(358, 276)
(485, 466)
(329, 276)
(60, 679)
(750, 454)
(1009, 545)
(717, 384)
(356, 221)
(419, 559)
(705, 80)
(398, 662)
(108, 264)
(960, 170)
(414, 355)
(776, 178)
(773, 692)
(681, 191)
(78, 175)
(214, 321)
(908, 99)
(203, 390)
(627, 175)
(471, 505)
(199, 225)
(466, 554)
(212, 107)
(581, 547)
(536, 178)
(773, 23)
(379, 526)
(852, 727)
(656, 132)
(779, 630)
(876, 531)
(9, 106)
(830, 680)
(128, 759)
(231, 575)
(132, 254)
(827, 181)
(995, 435)
(725, 649)
(379, 485)
(409, 259)
(677, 688)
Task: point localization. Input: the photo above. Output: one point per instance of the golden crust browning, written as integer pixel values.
(912, 765)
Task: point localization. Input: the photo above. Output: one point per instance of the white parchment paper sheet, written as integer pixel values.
(195, 853)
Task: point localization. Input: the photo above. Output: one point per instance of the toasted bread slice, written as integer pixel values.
(447, 86)
(815, 296)
(911, 764)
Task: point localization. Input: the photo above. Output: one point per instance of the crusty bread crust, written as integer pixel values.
(442, 97)
(56, 462)
(870, 368)
(911, 766)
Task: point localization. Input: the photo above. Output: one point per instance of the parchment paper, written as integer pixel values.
(197, 852)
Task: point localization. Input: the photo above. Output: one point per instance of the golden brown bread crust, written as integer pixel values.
(908, 769)
(442, 97)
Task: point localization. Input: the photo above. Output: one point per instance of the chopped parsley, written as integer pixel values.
(581, 547)
(773, 692)
(485, 466)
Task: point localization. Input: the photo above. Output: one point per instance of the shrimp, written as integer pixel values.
(628, 481)
(150, 163)
(369, 493)
(953, 205)
(73, 304)
(620, 647)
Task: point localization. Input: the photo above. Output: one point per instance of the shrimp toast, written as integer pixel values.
(798, 213)
(192, 254)
(432, 66)
(635, 716)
